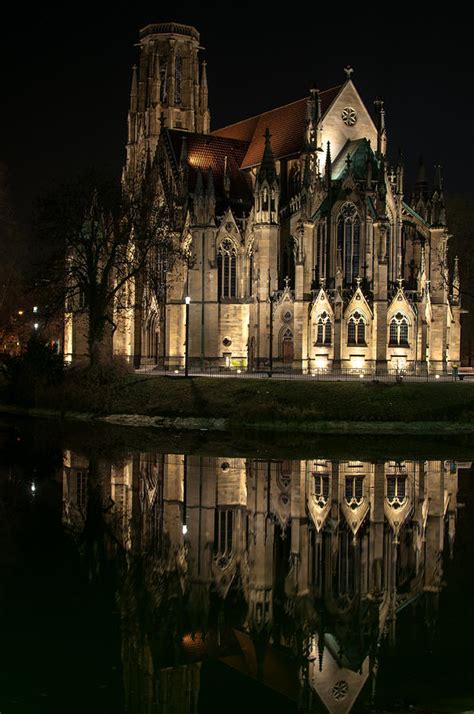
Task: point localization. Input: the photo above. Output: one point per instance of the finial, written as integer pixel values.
(322, 282)
(358, 281)
(400, 282)
(287, 282)
(349, 71)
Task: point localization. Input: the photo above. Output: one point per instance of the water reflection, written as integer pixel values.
(290, 572)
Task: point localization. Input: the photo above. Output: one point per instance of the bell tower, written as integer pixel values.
(168, 87)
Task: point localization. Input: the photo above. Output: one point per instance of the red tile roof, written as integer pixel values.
(206, 151)
(286, 126)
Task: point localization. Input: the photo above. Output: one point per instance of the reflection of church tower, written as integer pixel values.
(167, 87)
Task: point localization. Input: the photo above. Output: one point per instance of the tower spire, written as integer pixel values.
(267, 170)
(204, 100)
(381, 131)
(456, 281)
(328, 167)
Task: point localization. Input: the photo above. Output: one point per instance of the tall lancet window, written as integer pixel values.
(178, 80)
(348, 241)
(163, 80)
(227, 269)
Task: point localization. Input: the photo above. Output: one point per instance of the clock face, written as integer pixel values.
(349, 116)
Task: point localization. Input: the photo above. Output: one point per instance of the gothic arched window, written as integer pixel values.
(324, 329)
(320, 251)
(223, 535)
(178, 73)
(321, 489)
(348, 241)
(356, 329)
(227, 269)
(354, 491)
(396, 491)
(399, 330)
(163, 80)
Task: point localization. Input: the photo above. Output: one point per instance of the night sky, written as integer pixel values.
(66, 81)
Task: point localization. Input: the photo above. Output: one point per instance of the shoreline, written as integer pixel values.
(199, 424)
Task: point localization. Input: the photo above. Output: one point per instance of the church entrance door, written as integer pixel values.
(287, 350)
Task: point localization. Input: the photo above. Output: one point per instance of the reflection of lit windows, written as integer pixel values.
(321, 489)
(81, 490)
(223, 535)
(396, 491)
(354, 490)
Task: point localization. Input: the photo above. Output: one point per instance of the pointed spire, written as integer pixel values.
(456, 281)
(381, 189)
(421, 175)
(328, 167)
(438, 185)
(380, 123)
(267, 168)
(134, 90)
(204, 92)
(226, 177)
(423, 261)
(400, 173)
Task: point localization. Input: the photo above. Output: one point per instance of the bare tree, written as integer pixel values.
(103, 235)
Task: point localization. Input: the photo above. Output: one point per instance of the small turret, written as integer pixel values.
(328, 168)
(267, 190)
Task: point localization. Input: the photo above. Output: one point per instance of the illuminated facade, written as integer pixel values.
(297, 228)
(314, 558)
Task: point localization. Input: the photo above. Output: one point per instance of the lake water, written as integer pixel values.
(143, 572)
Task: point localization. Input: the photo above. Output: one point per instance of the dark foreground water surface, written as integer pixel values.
(182, 574)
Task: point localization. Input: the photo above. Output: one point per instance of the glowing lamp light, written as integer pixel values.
(21, 312)
(357, 362)
(185, 528)
(239, 371)
(36, 325)
(187, 300)
(176, 371)
(361, 376)
(321, 362)
(33, 488)
(436, 376)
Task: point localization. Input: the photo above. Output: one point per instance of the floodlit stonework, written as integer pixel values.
(306, 251)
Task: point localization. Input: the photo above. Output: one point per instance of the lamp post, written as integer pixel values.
(187, 300)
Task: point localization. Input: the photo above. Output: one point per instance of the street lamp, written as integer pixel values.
(187, 300)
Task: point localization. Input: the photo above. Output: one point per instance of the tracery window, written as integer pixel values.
(227, 269)
(324, 329)
(321, 489)
(348, 241)
(354, 491)
(356, 329)
(399, 330)
(223, 535)
(163, 80)
(396, 491)
(320, 251)
(178, 71)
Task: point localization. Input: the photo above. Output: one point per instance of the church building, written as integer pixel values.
(304, 250)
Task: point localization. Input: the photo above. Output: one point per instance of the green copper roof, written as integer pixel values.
(360, 153)
(413, 213)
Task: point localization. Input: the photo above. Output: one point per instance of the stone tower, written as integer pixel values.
(168, 89)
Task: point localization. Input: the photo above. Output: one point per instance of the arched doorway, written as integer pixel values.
(287, 347)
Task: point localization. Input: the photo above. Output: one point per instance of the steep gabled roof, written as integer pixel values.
(286, 124)
(205, 152)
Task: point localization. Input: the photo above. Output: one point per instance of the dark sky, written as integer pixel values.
(67, 79)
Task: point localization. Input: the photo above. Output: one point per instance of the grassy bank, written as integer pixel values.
(247, 402)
